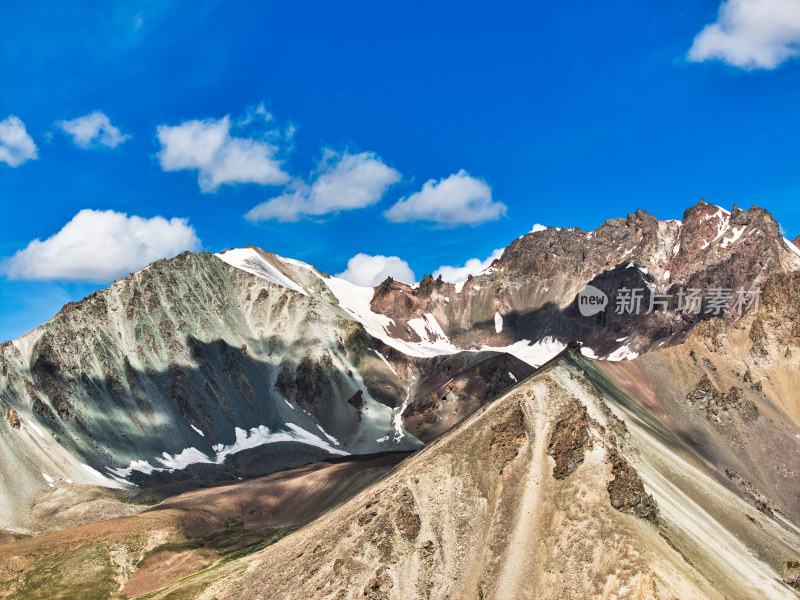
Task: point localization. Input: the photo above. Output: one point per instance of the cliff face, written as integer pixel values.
(531, 292)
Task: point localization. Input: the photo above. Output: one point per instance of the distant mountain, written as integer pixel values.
(529, 294)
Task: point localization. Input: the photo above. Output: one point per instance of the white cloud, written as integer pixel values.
(220, 158)
(16, 146)
(342, 182)
(93, 130)
(98, 246)
(472, 267)
(457, 200)
(538, 227)
(751, 34)
(369, 271)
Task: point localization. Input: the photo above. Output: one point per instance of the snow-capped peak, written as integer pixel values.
(249, 260)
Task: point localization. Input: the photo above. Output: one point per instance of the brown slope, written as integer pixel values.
(180, 536)
(731, 394)
(543, 494)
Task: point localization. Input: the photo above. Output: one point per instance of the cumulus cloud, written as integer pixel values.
(472, 267)
(369, 271)
(93, 130)
(341, 182)
(457, 200)
(98, 246)
(751, 34)
(538, 227)
(208, 147)
(16, 146)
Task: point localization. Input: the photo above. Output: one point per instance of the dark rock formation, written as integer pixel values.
(507, 439)
(567, 442)
(406, 518)
(627, 492)
(357, 401)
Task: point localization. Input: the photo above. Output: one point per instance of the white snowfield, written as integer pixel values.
(355, 300)
(257, 436)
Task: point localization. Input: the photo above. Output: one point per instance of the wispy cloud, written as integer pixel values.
(98, 246)
(367, 270)
(93, 130)
(208, 147)
(472, 267)
(459, 199)
(341, 182)
(751, 34)
(16, 146)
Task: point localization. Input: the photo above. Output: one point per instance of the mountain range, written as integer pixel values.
(609, 414)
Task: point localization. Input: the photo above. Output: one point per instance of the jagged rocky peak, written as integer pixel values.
(548, 253)
(706, 225)
(529, 294)
(398, 300)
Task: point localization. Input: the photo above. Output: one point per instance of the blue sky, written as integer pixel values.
(430, 132)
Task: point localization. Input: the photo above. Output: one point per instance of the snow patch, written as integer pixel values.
(586, 351)
(792, 247)
(247, 259)
(534, 354)
(383, 358)
(622, 353)
(47, 477)
(397, 420)
(332, 439)
(257, 436)
(186, 457)
(197, 430)
(33, 426)
(498, 322)
(355, 301)
(142, 466)
(737, 233)
(94, 472)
